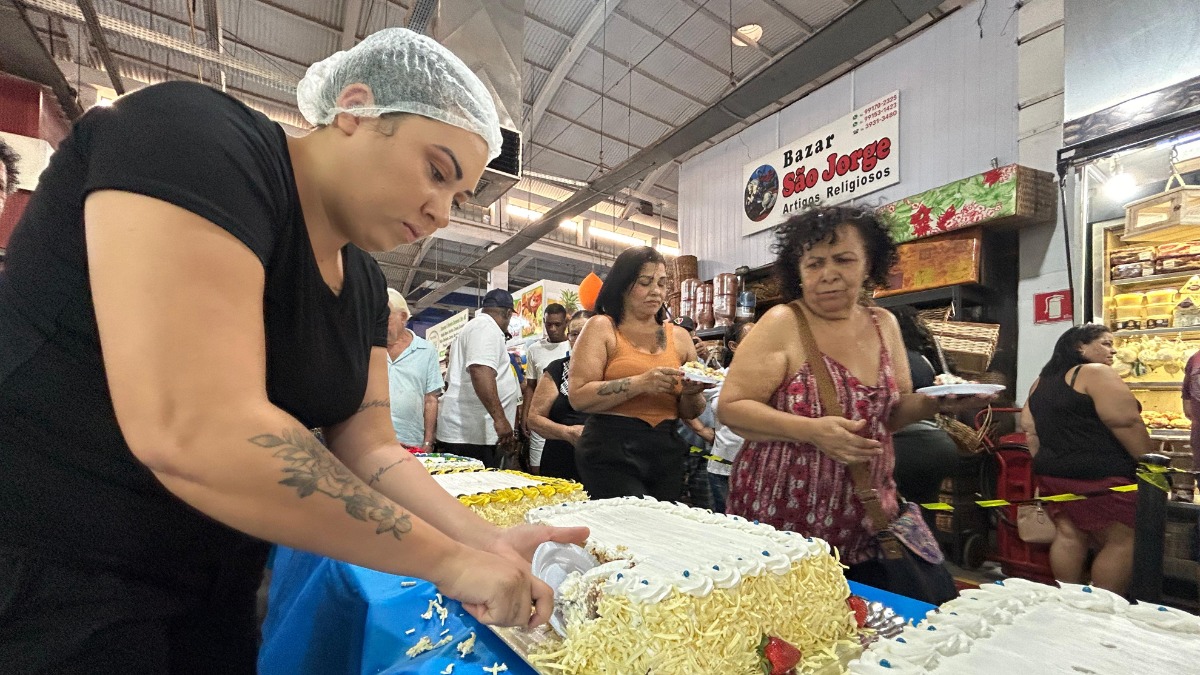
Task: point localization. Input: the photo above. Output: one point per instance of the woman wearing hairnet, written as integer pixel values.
(186, 295)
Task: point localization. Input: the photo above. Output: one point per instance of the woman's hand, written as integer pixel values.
(658, 381)
(691, 388)
(518, 543)
(838, 437)
(574, 433)
(497, 590)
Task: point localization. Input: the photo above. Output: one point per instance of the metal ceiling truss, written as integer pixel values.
(853, 32)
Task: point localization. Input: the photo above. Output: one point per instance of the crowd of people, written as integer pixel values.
(189, 293)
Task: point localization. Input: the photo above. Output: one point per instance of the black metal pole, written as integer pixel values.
(1146, 584)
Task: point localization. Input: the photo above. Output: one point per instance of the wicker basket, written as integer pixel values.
(971, 344)
(936, 313)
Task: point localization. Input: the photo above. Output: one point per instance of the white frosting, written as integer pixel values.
(480, 482)
(674, 547)
(433, 462)
(1025, 627)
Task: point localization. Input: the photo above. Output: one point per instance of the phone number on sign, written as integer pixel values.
(889, 103)
(881, 120)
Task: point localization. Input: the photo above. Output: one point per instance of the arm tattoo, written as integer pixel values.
(384, 469)
(614, 387)
(377, 403)
(311, 468)
(662, 338)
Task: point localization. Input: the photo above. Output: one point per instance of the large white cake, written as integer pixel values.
(1022, 627)
(504, 497)
(683, 590)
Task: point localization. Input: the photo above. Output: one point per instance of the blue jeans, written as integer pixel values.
(720, 491)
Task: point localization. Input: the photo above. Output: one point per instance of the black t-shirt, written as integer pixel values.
(72, 486)
(561, 411)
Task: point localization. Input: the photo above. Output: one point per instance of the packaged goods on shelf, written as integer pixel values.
(1161, 295)
(1127, 256)
(1129, 299)
(1132, 270)
(1177, 250)
(1187, 314)
(1129, 318)
(1183, 263)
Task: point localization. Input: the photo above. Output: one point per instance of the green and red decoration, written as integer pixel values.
(779, 657)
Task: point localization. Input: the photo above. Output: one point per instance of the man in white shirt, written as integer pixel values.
(479, 408)
(541, 354)
(414, 381)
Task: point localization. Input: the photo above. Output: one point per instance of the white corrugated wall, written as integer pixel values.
(958, 98)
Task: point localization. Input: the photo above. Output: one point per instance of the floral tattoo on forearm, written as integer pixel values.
(313, 469)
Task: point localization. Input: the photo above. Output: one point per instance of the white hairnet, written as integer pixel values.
(407, 73)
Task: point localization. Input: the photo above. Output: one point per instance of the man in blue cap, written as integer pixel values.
(479, 408)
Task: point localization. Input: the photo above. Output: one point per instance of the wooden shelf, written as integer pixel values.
(957, 295)
(1156, 331)
(1154, 279)
(1154, 385)
(1170, 434)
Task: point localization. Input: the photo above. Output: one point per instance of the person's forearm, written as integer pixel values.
(690, 406)
(603, 395)
(548, 428)
(484, 382)
(1032, 443)
(431, 415)
(756, 421)
(911, 408)
(263, 473)
(393, 471)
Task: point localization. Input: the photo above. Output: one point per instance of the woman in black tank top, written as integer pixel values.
(1086, 433)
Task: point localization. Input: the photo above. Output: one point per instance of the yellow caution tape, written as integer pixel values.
(992, 503)
(1124, 488)
(938, 506)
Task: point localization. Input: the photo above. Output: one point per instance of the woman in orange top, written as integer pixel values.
(625, 371)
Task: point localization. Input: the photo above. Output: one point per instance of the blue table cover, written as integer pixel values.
(329, 617)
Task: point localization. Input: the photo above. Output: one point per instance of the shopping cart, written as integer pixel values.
(1012, 465)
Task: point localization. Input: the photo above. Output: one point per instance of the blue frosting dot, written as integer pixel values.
(645, 583)
(931, 628)
(687, 573)
(953, 613)
(620, 576)
(1087, 589)
(756, 522)
(1161, 608)
(902, 640)
(717, 568)
(885, 663)
(808, 538)
(766, 553)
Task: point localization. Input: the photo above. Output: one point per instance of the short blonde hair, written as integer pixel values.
(396, 302)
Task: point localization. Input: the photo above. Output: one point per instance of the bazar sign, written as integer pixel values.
(856, 155)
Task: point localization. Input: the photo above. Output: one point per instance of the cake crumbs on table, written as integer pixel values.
(407, 584)
(466, 646)
(496, 668)
(423, 645)
(410, 631)
(449, 669)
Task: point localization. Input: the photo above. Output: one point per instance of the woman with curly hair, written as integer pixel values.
(792, 472)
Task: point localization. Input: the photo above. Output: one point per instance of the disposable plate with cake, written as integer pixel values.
(694, 371)
(950, 385)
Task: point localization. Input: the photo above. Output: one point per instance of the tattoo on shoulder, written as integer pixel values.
(377, 403)
(662, 338)
(310, 468)
(614, 387)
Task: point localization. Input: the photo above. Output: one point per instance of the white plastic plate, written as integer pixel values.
(552, 563)
(972, 389)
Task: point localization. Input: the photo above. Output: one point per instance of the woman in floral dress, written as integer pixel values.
(792, 471)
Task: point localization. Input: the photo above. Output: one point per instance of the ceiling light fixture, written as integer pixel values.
(668, 250)
(522, 212)
(751, 33)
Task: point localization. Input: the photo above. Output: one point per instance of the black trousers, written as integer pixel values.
(925, 455)
(558, 460)
(626, 457)
(488, 454)
(62, 616)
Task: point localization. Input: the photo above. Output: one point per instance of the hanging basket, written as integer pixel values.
(971, 344)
